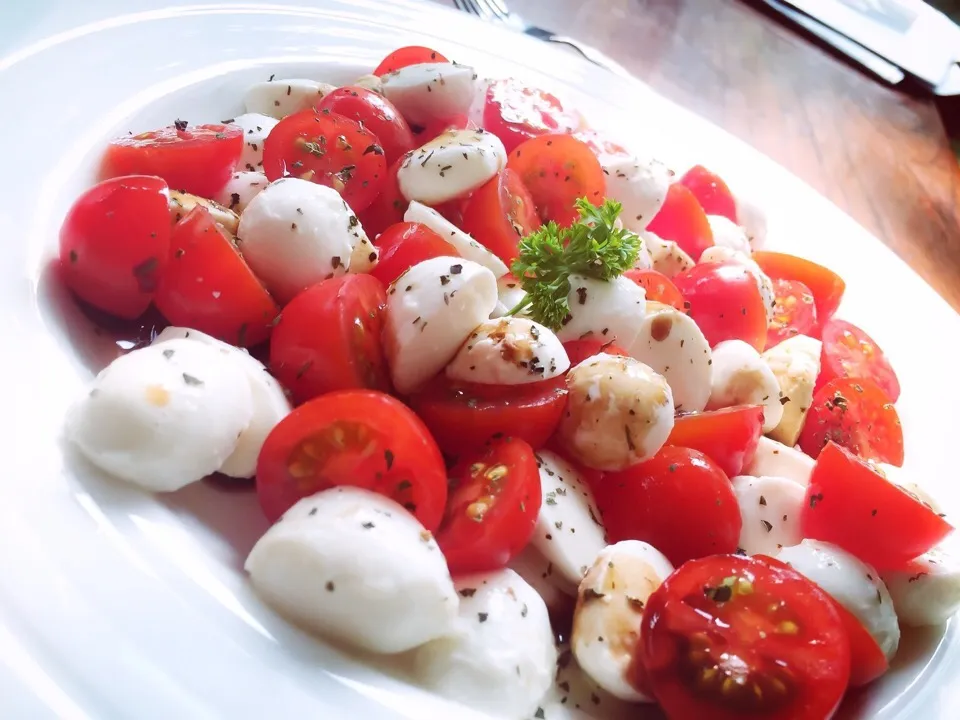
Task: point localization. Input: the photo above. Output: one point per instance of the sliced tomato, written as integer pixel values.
(827, 287)
(710, 191)
(680, 501)
(206, 285)
(853, 506)
(849, 352)
(499, 213)
(580, 350)
(600, 144)
(330, 150)
(115, 242)
(452, 210)
(729, 436)
(854, 413)
(492, 508)
(659, 287)
(374, 112)
(725, 302)
(404, 245)
(867, 661)
(557, 170)
(360, 438)
(388, 207)
(409, 55)
(463, 416)
(794, 312)
(682, 220)
(198, 159)
(437, 126)
(730, 637)
(515, 113)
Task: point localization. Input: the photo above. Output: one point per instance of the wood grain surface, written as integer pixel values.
(878, 153)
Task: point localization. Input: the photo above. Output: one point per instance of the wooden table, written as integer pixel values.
(879, 154)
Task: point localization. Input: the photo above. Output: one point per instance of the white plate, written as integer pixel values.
(117, 604)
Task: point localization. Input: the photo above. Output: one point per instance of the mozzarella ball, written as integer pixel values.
(501, 660)
(720, 253)
(639, 184)
(666, 256)
(770, 509)
(927, 590)
(509, 351)
(468, 248)
(778, 460)
(370, 82)
(365, 255)
(619, 412)
(610, 601)
(451, 165)
(897, 476)
(181, 203)
(609, 310)
(753, 220)
(557, 592)
(741, 377)
(163, 416)
(430, 91)
(728, 234)
(576, 696)
(241, 188)
(256, 127)
(432, 309)
(509, 291)
(296, 233)
(795, 363)
(279, 98)
(354, 566)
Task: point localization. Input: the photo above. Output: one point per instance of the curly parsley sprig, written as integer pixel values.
(592, 247)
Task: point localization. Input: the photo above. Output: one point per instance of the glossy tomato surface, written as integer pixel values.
(729, 436)
(827, 287)
(388, 207)
(849, 352)
(499, 213)
(658, 287)
(374, 112)
(710, 191)
(682, 220)
(408, 55)
(404, 245)
(515, 113)
(794, 312)
(580, 350)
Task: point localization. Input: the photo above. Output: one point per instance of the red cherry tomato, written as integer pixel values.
(492, 509)
(725, 302)
(409, 55)
(710, 191)
(375, 113)
(404, 245)
(437, 126)
(452, 210)
(730, 637)
(463, 416)
(682, 220)
(330, 150)
(515, 113)
(600, 144)
(580, 350)
(679, 501)
(851, 505)
(359, 438)
(794, 312)
(499, 213)
(198, 160)
(388, 207)
(658, 286)
(729, 436)
(114, 243)
(558, 169)
(849, 352)
(854, 413)
(827, 287)
(207, 286)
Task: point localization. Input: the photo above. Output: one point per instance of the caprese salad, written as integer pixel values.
(538, 413)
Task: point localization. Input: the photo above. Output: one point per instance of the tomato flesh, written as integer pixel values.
(710, 191)
(827, 287)
(404, 245)
(659, 288)
(794, 312)
(388, 207)
(682, 220)
(729, 436)
(849, 352)
(580, 350)
(409, 55)
(515, 113)
(499, 213)
(375, 113)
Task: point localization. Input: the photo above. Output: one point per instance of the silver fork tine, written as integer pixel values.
(461, 5)
(495, 8)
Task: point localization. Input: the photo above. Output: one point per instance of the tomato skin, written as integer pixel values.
(710, 191)
(515, 113)
(115, 243)
(867, 661)
(854, 413)
(726, 617)
(492, 508)
(679, 501)
(388, 207)
(198, 160)
(404, 245)
(558, 169)
(794, 312)
(682, 220)
(408, 55)
(827, 287)
(600, 144)
(348, 354)
(377, 115)
(499, 213)
(330, 150)
(852, 506)
(326, 442)
(580, 350)
(849, 352)
(729, 436)
(725, 302)
(659, 287)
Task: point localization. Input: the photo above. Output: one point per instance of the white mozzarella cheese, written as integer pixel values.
(432, 309)
(639, 184)
(430, 91)
(741, 377)
(181, 203)
(671, 343)
(451, 165)
(753, 220)
(619, 412)
(896, 475)
(256, 127)
(370, 82)
(296, 233)
(927, 590)
(468, 248)
(795, 363)
(365, 255)
(279, 98)
(854, 584)
(577, 696)
(728, 234)
(557, 592)
(609, 310)
(770, 509)
(665, 255)
(609, 611)
(568, 533)
(163, 416)
(502, 657)
(509, 291)
(354, 566)
(778, 460)
(241, 188)
(509, 351)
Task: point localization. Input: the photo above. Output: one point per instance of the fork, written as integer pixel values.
(496, 11)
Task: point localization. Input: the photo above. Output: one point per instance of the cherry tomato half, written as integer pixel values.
(375, 113)
(659, 287)
(729, 436)
(849, 352)
(794, 312)
(580, 350)
(360, 438)
(409, 55)
(827, 287)
(499, 213)
(682, 220)
(600, 144)
(388, 207)
(404, 245)
(710, 191)
(515, 113)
